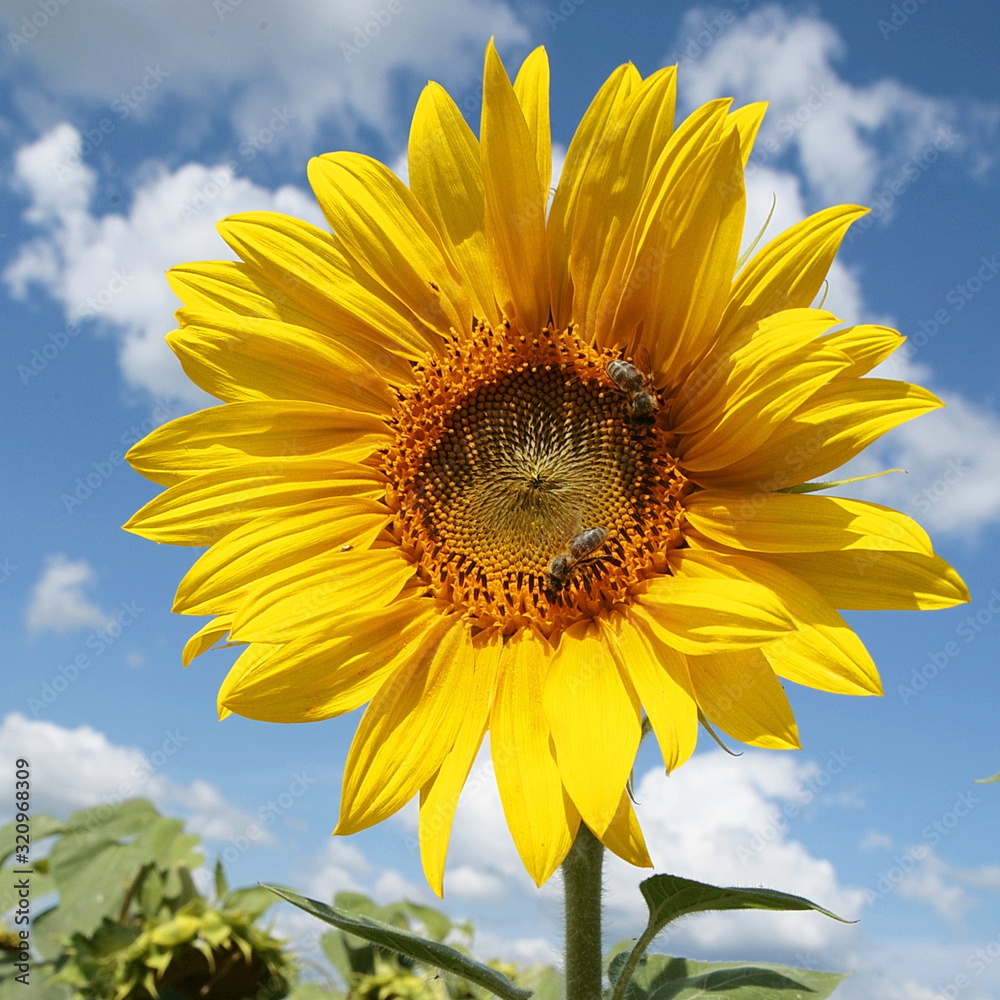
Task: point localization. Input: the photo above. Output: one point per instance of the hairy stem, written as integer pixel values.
(582, 887)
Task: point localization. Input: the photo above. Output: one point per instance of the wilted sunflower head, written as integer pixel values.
(493, 466)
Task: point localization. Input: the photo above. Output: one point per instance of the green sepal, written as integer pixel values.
(405, 943)
(221, 885)
(816, 487)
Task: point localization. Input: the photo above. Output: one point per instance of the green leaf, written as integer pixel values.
(436, 924)
(253, 900)
(41, 826)
(670, 896)
(986, 781)
(341, 956)
(402, 941)
(150, 894)
(660, 976)
(41, 885)
(99, 856)
(545, 982)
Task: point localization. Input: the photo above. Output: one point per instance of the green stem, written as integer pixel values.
(631, 963)
(582, 887)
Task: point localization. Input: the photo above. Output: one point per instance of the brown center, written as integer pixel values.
(525, 484)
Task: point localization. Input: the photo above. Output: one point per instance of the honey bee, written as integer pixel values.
(582, 545)
(637, 386)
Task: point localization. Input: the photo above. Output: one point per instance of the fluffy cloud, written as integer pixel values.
(849, 141)
(110, 268)
(58, 600)
(327, 62)
(729, 821)
(103, 772)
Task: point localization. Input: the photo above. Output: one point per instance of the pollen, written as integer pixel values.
(509, 454)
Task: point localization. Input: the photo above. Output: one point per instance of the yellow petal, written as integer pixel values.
(823, 651)
(446, 177)
(748, 120)
(739, 692)
(240, 359)
(832, 426)
(594, 723)
(759, 405)
(760, 352)
(200, 510)
(660, 677)
(541, 816)
(675, 284)
(244, 560)
(300, 598)
(874, 580)
(515, 203)
(319, 678)
(865, 345)
(624, 836)
(789, 271)
(309, 267)
(206, 637)
(440, 797)
(384, 230)
(409, 728)
(531, 88)
(225, 437)
(234, 287)
(598, 202)
(801, 522)
(647, 242)
(707, 616)
(576, 204)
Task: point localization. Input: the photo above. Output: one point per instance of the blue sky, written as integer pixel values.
(127, 130)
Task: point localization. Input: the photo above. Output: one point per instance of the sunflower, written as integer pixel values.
(490, 464)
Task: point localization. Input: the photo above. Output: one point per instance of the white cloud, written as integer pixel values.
(932, 882)
(102, 772)
(875, 839)
(110, 268)
(849, 141)
(987, 877)
(729, 821)
(59, 602)
(320, 61)
(340, 867)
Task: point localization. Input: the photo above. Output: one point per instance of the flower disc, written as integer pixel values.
(508, 450)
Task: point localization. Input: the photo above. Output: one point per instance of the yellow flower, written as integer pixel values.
(492, 467)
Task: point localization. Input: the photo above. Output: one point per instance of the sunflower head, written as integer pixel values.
(492, 464)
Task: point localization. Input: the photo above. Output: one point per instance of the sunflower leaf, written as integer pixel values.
(670, 896)
(395, 939)
(986, 781)
(684, 979)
